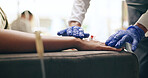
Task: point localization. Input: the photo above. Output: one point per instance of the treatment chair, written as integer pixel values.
(76, 64)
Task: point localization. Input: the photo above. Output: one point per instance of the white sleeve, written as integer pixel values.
(78, 11)
(144, 19)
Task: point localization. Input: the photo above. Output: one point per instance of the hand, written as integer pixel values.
(132, 35)
(94, 45)
(75, 31)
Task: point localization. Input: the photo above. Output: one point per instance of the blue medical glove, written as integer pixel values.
(75, 31)
(132, 35)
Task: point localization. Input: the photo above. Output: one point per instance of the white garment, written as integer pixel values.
(21, 24)
(144, 19)
(79, 10)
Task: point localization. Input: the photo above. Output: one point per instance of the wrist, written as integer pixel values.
(77, 43)
(142, 27)
(136, 30)
(74, 23)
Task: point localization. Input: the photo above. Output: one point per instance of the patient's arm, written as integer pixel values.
(15, 41)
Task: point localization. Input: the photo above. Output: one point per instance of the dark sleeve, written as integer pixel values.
(135, 9)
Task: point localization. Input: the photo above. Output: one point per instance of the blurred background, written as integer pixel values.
(103, 18)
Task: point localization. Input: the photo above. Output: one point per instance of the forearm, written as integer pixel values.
(79, 10)
(142, 27)
(14, 41)
(143, 22)
(59, 43)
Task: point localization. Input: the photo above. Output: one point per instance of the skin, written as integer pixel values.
(16, 41)
(74, 23)
(142, 27)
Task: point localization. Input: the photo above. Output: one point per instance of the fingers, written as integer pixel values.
(134, 45)
(62, 32)
(75, 31)
(110, 38)
(102, 46)
(95, 45)
(78, 32)
(108, 48)
(122, 41)
(115, 38)
(69, 31)
(81, 33)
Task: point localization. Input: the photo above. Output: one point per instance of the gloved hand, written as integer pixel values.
(132, 35)
(75, 31)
